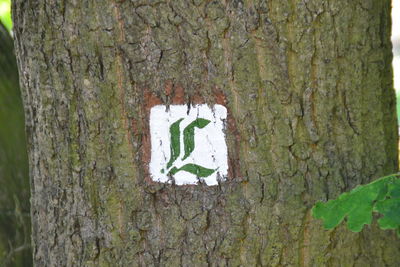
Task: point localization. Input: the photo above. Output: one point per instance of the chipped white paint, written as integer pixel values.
(210, 150)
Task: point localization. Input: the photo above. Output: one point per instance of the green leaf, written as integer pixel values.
(394, 189)
(358, 204)
(197, 170)
(382, 193)
(188, 135)
(361, 210)
(390, 208)
(175, 145)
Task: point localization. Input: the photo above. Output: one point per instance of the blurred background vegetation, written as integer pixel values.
(5, 14)
(396, 50)
(15, 245)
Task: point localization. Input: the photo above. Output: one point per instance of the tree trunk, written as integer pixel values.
(14, 184)
(311, 113)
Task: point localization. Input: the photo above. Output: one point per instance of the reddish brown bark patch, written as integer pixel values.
(179, 97)
(197, 99)
(168, 87)
(220, 97)
(150, 100)
(233, 153)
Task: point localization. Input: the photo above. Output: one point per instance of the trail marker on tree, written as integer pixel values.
(188, 144)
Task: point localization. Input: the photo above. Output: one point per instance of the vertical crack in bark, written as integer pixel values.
(304, 241)
(309, 114)
(228, 64)
(349, 115)
(120, 75)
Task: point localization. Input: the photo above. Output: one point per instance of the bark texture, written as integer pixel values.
(14, 183)
(307, 83)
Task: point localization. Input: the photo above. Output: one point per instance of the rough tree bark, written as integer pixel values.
(308, 87)
(14, 184)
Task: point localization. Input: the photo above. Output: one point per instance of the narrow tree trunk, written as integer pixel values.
(14, 184)
(311, 113)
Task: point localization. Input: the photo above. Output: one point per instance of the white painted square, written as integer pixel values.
(210, 150)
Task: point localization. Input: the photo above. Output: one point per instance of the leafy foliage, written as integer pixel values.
(15, 226)
(5, 14)
(382, 196)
